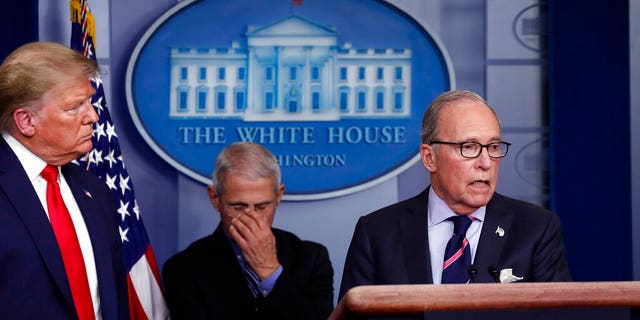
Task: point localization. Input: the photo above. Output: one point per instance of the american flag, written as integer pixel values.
(146, 300)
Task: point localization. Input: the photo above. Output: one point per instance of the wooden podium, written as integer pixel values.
(396, 300)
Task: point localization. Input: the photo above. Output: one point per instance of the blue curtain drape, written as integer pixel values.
(589, 109)
(19, 25)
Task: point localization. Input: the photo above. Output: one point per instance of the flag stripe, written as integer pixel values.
(151, 260)
(135, 308)
(145, 286)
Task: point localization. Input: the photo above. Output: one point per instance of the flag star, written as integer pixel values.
(98, 82)
(92, 156)
(97, 157)
(121, 161)
(123, 234)
(111, 182)
(111, 131)
(136, 209)
(112, 160)
(124, 184)
(90, 46)
(98, 131)
(98, 105)
(123, 210)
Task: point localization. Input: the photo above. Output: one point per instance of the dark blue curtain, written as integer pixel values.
(590, 144)
(18, 25)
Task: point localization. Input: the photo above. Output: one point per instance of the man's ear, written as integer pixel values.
(279, 194)
(25, 122)
(213, 197)
(428, 157)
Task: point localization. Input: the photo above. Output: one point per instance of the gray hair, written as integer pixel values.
(248, 160)
(35, 68)
(430, 118)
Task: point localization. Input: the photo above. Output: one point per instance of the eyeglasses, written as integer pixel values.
(470, 149)
(240, 208)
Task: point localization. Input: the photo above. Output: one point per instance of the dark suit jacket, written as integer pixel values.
(390, 246)
(205, 281)
(33, 282)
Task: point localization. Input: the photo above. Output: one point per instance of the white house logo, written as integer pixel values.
(336, 96)
(529, 27)
(530, 162)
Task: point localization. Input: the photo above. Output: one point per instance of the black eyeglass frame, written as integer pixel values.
(460, 144)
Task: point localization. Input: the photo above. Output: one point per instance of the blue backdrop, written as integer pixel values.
(589, 109)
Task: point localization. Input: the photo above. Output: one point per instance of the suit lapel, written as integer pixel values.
(19, 190)
(494, 234)
(415, 244)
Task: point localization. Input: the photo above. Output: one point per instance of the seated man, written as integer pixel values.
(246, 269)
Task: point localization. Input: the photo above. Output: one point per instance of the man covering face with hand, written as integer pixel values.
(246, 269)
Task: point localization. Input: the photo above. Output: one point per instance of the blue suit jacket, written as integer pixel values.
(390, 246)
(33, 282)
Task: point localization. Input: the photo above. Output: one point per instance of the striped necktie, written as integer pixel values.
(252, 280)
(457, 257)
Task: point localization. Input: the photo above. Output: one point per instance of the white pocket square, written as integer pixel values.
(506, 276)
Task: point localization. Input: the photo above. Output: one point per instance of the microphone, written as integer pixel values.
(495, 274)
(473, 273)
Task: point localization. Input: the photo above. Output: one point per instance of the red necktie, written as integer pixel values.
(69, 246)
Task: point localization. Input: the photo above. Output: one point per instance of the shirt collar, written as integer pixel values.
(438, 210)
(31, 163)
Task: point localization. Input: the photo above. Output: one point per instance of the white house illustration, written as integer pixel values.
(290, 70)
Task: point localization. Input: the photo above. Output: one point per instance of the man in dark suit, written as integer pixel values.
(246, 269)
(46, 119)
(508, 240)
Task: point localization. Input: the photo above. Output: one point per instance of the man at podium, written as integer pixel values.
(458, 230)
